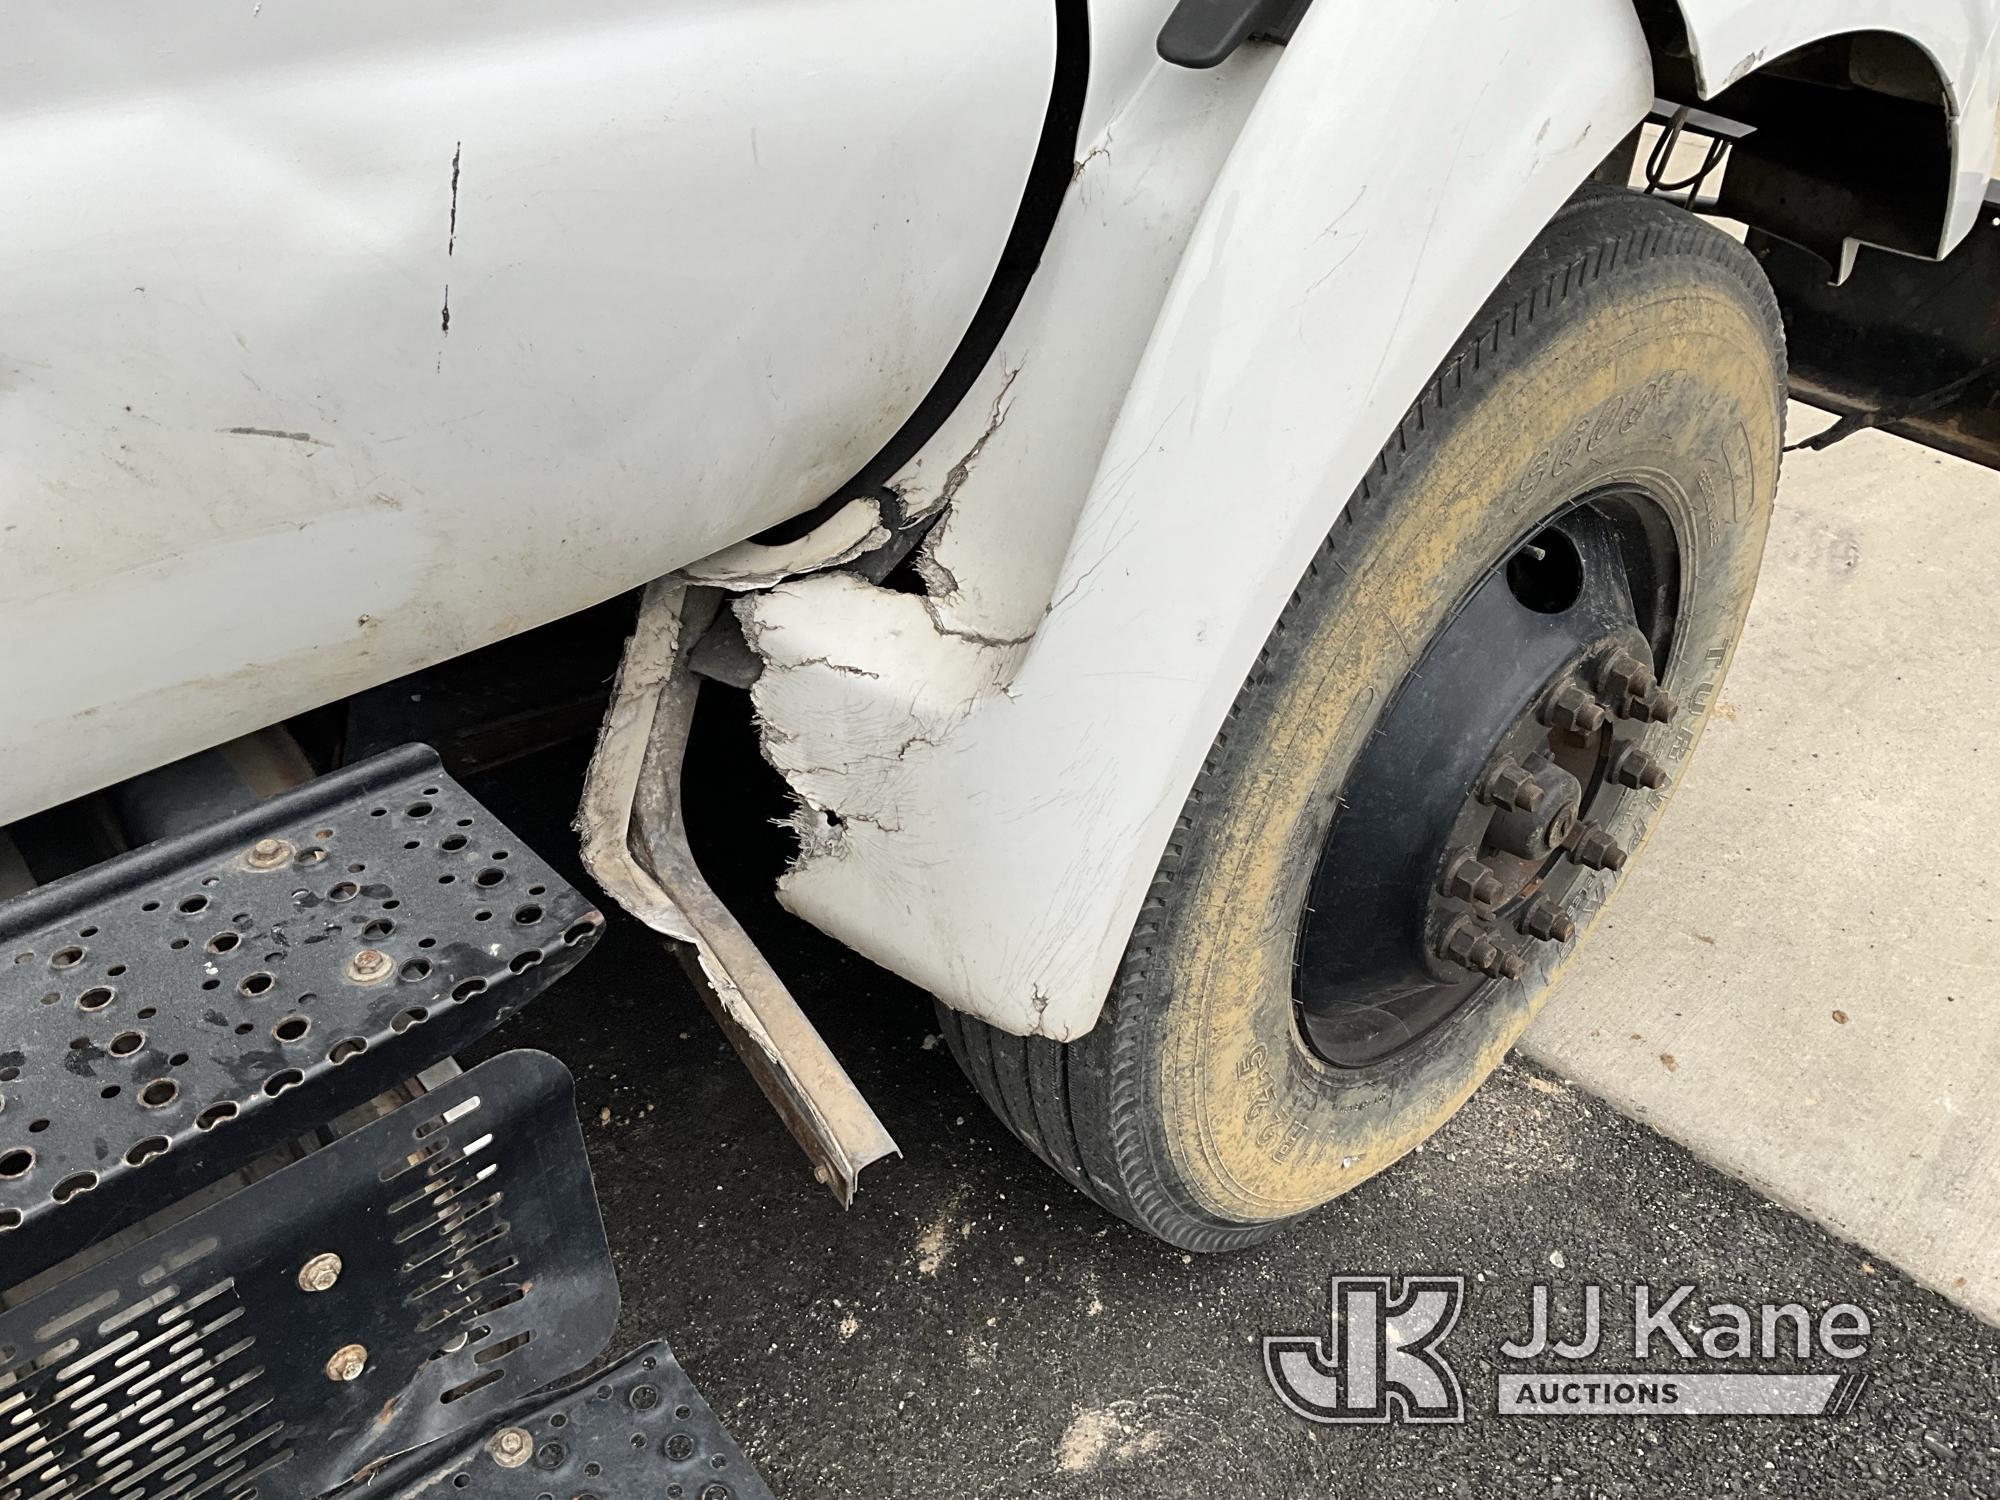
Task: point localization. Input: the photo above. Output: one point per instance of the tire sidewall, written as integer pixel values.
(1660, 376)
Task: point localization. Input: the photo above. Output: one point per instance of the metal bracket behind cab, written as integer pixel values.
(635, 846)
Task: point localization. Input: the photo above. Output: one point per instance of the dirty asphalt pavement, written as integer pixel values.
(971, 1327)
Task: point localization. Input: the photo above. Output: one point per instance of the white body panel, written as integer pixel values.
(1733, 38)
(707, 255)
(988, 774)
(1000, 803)
(703, 256)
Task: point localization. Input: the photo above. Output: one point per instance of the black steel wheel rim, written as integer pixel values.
(1483, 797)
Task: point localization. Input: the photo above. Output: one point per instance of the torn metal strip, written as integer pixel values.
(635, 845)
(857, 528)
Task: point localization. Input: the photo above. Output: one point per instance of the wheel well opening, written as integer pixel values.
(1845, 140)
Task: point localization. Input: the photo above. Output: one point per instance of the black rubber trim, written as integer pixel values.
(1202, 33)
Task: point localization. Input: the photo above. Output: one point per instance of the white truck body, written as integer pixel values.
(346, 340)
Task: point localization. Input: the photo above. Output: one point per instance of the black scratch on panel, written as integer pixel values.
(451, 236)
(450, 248)
(272, 432)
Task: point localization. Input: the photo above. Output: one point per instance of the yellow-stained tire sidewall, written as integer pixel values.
(1663, 379)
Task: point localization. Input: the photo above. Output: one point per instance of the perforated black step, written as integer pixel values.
(174, 1013)
(233, 1355)
(636, 1431)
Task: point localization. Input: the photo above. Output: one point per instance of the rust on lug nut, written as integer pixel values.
(1658, 706)
(1633, 767)
(1463, 943)
(1467, 944)
(1545, 920)
(1570, 707)
(1620, 674)
(1590, 845)
(1511, 784)
(1469, 880)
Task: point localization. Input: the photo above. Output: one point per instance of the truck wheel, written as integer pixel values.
(1462, 727)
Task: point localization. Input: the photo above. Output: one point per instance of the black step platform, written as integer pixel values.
(413, 1280)
(636, 1431)
(174, 1013)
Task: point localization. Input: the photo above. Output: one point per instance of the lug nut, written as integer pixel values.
(320, 1273)
(1633, 767)
(1656, 705)
(1570, 707)
(268, 854)
(347, 1363)
(1620, 674)
(511, 1447)
(1545, 920)
(1469, 880)
(1590, 845)
(1463, 943)
(1466, 944)
(369, 965)
(1511, 784)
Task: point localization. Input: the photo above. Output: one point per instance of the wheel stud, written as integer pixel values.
(1511, 784)
(1469, 880)
(1633, 767)
(1464, 943)
(1570, 707)
(1620, 674)
(1655, 704)
(1545, 920)
(1590, 845)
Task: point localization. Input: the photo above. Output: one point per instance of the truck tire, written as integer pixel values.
(1466, 719)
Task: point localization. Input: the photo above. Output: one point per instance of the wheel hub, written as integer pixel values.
(1482, 802)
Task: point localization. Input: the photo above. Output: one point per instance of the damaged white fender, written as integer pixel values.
(1730, 39)
(1204, 368)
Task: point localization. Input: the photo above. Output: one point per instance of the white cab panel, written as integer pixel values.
(703, 257)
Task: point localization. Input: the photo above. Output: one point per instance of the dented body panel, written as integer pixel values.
(347, 338)
(986, 802)
(364, 337)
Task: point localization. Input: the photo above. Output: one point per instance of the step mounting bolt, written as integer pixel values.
(1570, 707)
(1511, 784)
(1469, 880)
(268, 854)
(347, 1363)
(1545, 920)
(511, 1447)
(369, 965)
(1589, 844)
(320, 1273)
(1633, 767)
